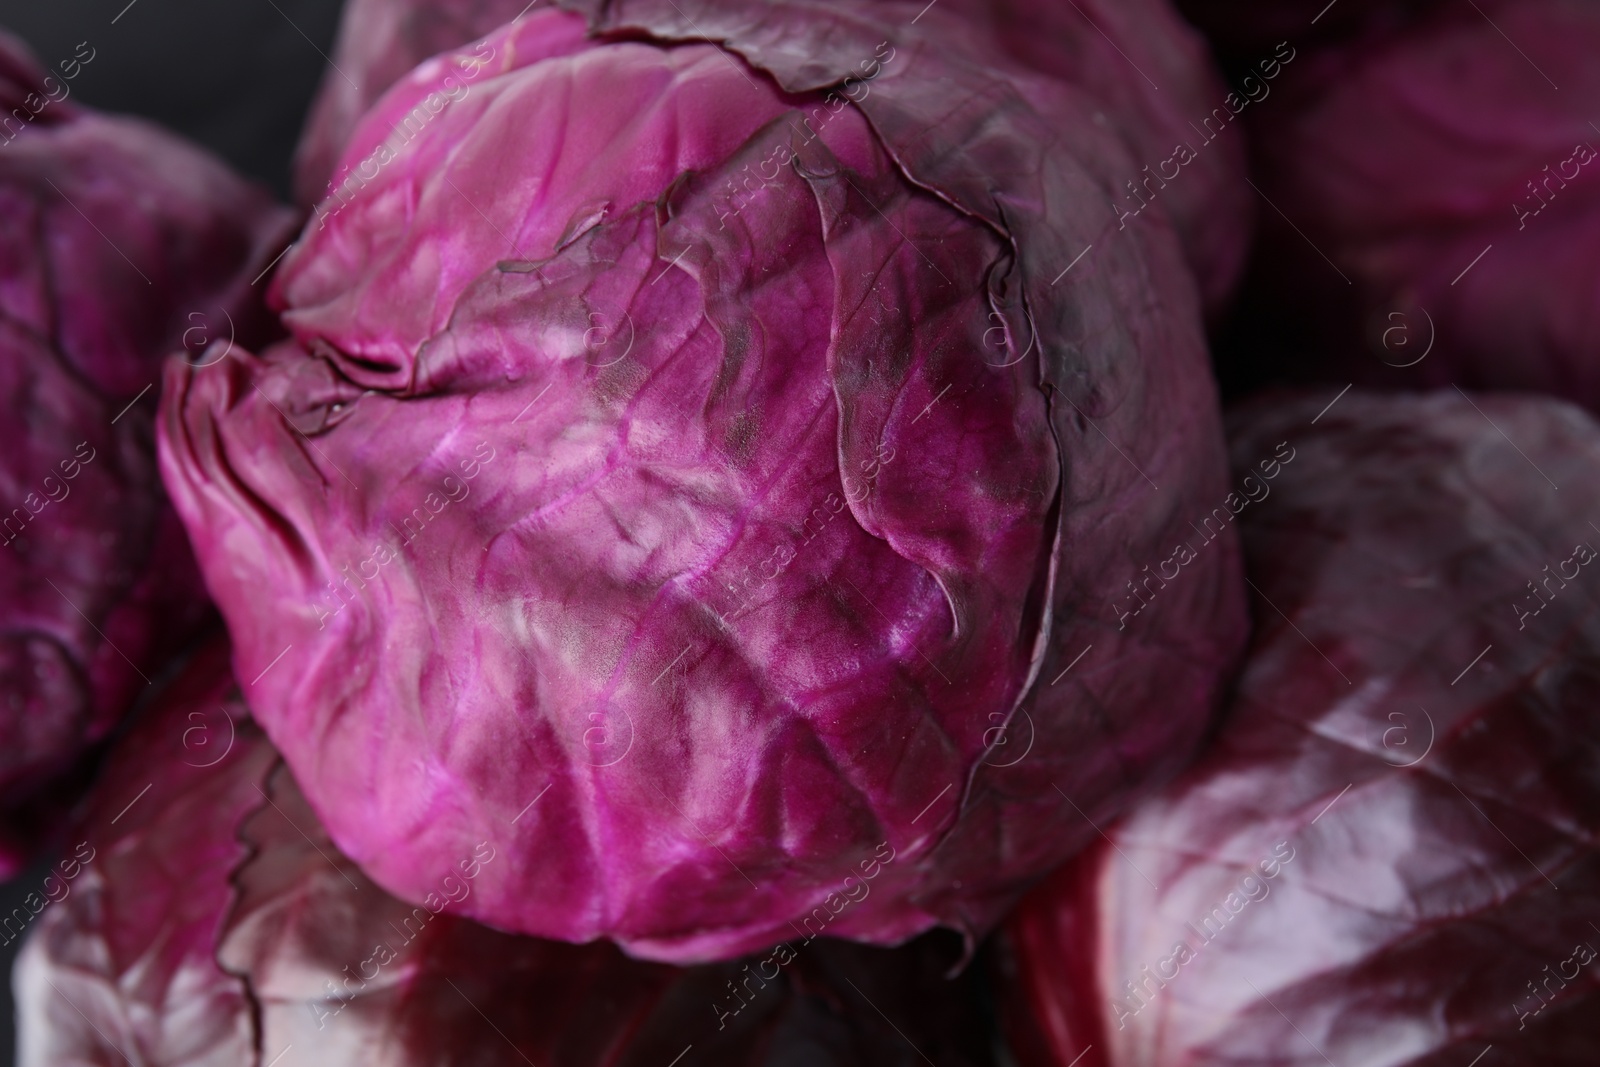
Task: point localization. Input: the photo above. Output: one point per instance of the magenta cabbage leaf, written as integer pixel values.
(379, 42)
(119, 245)
(713, 490)
(119, 965)
(1389, 855)
(1090, 45)
(1155, 79)
(202, 916)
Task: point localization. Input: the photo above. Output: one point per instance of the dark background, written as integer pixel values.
(234, 75)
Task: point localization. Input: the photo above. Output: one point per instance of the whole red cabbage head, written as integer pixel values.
(202, 916)
(1389, 854)
(119, 245)
(1439, 183)
(727, 495)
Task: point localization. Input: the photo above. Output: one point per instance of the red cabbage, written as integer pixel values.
(697, 484)
(119, 245)
(1389, 855)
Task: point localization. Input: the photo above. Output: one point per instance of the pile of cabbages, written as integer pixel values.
(787, 532)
